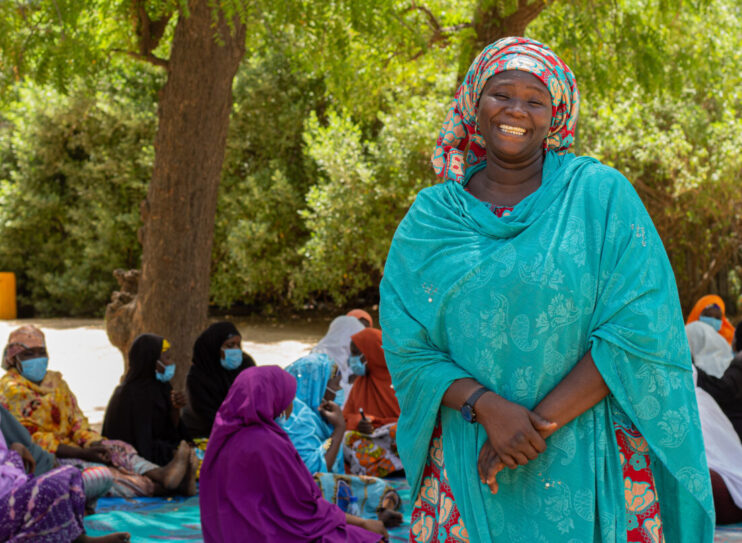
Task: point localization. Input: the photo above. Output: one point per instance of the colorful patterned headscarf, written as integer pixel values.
(20, 339)
(460, 130)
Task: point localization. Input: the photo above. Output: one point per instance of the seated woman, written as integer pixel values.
(96, 481)
(315, 417)
(217, 361)
(723, 451)
(254, 486)
(711, 310)
(44, 404)
(48, 508)
(371, 411)
(144, 411)
(336, 345)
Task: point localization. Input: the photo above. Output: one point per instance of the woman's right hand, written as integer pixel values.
(514, 432)
(97, 453)
(375, 526)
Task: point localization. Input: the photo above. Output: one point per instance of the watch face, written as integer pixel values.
(468, 413)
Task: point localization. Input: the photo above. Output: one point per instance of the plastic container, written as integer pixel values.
(8, 308)
(353, 508)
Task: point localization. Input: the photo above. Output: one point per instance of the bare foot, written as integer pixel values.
(188, 485)
(118, 537)
(390, 518)
(171, 475)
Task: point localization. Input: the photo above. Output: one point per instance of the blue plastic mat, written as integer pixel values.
(179, 519)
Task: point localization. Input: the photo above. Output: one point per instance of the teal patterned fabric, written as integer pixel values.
(515, 302)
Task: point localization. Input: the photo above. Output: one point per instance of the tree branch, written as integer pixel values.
(152, 59)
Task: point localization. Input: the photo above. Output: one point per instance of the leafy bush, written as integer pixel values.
(75, 170)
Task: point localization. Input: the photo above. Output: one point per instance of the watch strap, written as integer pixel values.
(473, 399)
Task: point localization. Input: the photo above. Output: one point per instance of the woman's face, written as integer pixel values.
(164, 361)
(235, 342)
(514, 115)
(713, 311)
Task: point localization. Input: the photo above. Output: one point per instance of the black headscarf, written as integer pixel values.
(143, 356)
(208, 381)
(139, 411)
(738, 337)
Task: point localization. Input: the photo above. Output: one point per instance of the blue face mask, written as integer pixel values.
(357, 365)
(232, 359)
(34, 369)
(711, 321)
(166, 375)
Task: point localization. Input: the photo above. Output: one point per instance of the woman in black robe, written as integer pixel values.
(217, 361)
(143, 410)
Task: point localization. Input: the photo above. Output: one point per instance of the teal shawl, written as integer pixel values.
(515, 303)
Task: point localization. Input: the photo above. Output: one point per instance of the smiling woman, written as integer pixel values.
(531, 321)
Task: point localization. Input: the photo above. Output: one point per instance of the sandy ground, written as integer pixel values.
(80, 349)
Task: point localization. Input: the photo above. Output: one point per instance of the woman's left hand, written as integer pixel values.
(489, 465)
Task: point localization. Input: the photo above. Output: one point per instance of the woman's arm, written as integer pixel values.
(581, 389)
(331, 412)
(372, 525)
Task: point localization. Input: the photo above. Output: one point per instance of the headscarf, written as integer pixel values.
(20, 339)
(738, 337)
(208, 381)
(726, 330)
(361, 314)
(308, 432)
(312, 372)
(254, 486)
(460, 130)
(144, 353)
(709, 350)
(373, 391)
(336, 344)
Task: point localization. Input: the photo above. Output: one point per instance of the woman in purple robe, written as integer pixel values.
(44, 509)
(254, 485)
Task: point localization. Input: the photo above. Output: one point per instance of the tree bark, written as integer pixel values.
(178, 213)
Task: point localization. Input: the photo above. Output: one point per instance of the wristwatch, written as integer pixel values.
(467, 410)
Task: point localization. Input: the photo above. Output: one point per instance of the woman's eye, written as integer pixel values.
(501, 96)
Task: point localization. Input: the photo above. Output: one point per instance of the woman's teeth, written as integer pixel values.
(514, 130)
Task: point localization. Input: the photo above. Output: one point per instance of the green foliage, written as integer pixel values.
(336, 111)
(258, 228)
(76, 169)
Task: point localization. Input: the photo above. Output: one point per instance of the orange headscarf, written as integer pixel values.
(727, 330)
(373, 391)
(361, 314)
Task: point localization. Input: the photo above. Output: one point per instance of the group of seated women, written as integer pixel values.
(48, 447)
(716, 348)
(292, 449)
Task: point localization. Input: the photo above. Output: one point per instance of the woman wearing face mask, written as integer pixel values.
(217, 361)
(711, 310)
(371, 411)
(145, 410)
(42, 402)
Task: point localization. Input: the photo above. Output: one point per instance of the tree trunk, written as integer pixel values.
(178, 214)
(490, 24)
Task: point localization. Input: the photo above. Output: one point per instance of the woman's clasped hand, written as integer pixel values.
(515, 435)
